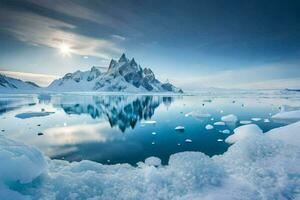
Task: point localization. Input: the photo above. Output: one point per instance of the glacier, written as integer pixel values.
(256, 166)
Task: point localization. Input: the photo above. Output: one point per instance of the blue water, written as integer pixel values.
(109, 128)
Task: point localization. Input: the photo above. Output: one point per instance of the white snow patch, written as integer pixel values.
(153, 161)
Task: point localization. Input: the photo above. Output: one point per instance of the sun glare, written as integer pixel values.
(65, 50)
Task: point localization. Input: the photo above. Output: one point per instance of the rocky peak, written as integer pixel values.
(123, 58)
(133, 63)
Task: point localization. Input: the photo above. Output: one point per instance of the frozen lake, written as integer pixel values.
(113, 129)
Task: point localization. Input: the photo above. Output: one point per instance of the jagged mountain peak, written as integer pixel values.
(122, 75)
(123, 58)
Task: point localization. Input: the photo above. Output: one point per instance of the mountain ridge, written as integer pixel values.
(123, 75)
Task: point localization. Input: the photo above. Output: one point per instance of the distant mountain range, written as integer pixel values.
(123, 75)
(12, 84)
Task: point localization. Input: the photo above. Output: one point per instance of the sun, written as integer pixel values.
(65, 50)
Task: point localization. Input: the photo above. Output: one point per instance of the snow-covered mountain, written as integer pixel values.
(123, 75)
(11, 85)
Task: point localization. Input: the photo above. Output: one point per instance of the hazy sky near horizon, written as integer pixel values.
(193, 43)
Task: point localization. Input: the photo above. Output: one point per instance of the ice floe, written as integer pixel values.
(32, 114)
(153, 122)
(188, 141)
(219, 123)
(245, 122)
(256, 166)
(229, 118)
(179, 128)
(198, 114)
(266, 120)
(256, 119)
(209, 127)
(226, 131)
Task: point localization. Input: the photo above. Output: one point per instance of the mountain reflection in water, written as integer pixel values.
(120, 111)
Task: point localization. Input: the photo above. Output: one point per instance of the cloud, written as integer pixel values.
(263, 77)
(39, 30)
(40, 79)
(118, 37)
(73, 9)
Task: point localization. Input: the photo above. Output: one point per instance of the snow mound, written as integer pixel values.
(244, 132)
(19, 163)
(153, 161)
(229, 118)
(288, 134)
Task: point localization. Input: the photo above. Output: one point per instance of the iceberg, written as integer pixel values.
(209, 127)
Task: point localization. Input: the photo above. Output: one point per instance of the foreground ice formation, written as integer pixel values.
(257, 166)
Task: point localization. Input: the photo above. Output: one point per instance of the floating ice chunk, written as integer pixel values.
(256, 119)
(219, 123)
(19, 163)
(153, 161)
(209, 127)
(153, 133)
(244, 132)
(32, 114)
(153, 143)
(220, 140)
(153, 122)
(229, 118)
(266, 120)
(179, 128)
(188, 141)
(198, 114)
(226, 131)
(245, 122)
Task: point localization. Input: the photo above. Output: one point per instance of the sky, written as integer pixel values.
(194, 44)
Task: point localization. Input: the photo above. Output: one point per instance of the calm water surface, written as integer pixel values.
(115, 129)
